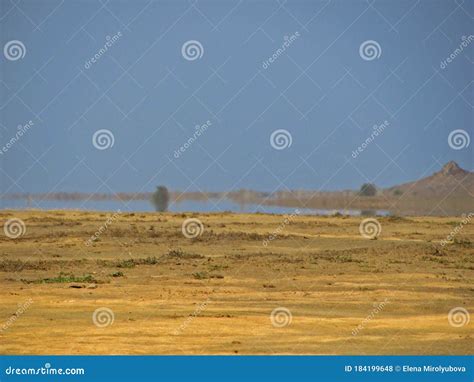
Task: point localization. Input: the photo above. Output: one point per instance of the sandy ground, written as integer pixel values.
(155, 291)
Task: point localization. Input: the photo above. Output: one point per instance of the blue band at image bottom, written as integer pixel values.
(236, 368)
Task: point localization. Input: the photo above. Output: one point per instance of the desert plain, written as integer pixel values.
(248, 284)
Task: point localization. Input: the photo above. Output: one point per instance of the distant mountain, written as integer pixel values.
(450, 181)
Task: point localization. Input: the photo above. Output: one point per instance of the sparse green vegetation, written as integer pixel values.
(178, 253)
(320, 268)
(63, 278)
(130, 263)
(200, 275)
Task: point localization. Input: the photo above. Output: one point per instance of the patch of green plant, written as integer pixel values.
(150, 260)
(183, 255)
(130, 263)
(200, 275)
(435, 259)
(64, 278)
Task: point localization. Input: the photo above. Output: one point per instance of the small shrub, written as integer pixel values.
(205, 275)
(178, 253)
(126, 264)
(160, 199)
(64, 278)
(368, 189)
(200, 275)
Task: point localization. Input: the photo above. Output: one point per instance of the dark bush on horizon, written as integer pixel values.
(368, 189)
(160, 199)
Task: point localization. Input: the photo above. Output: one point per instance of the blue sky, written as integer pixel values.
(320, 89)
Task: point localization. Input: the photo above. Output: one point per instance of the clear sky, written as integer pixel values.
(150, 93)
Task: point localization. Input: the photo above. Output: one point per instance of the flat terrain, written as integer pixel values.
(215, 294)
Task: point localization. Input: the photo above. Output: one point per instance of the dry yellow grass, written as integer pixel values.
(215, 294)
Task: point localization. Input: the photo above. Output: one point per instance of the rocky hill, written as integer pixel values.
(450, 181)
